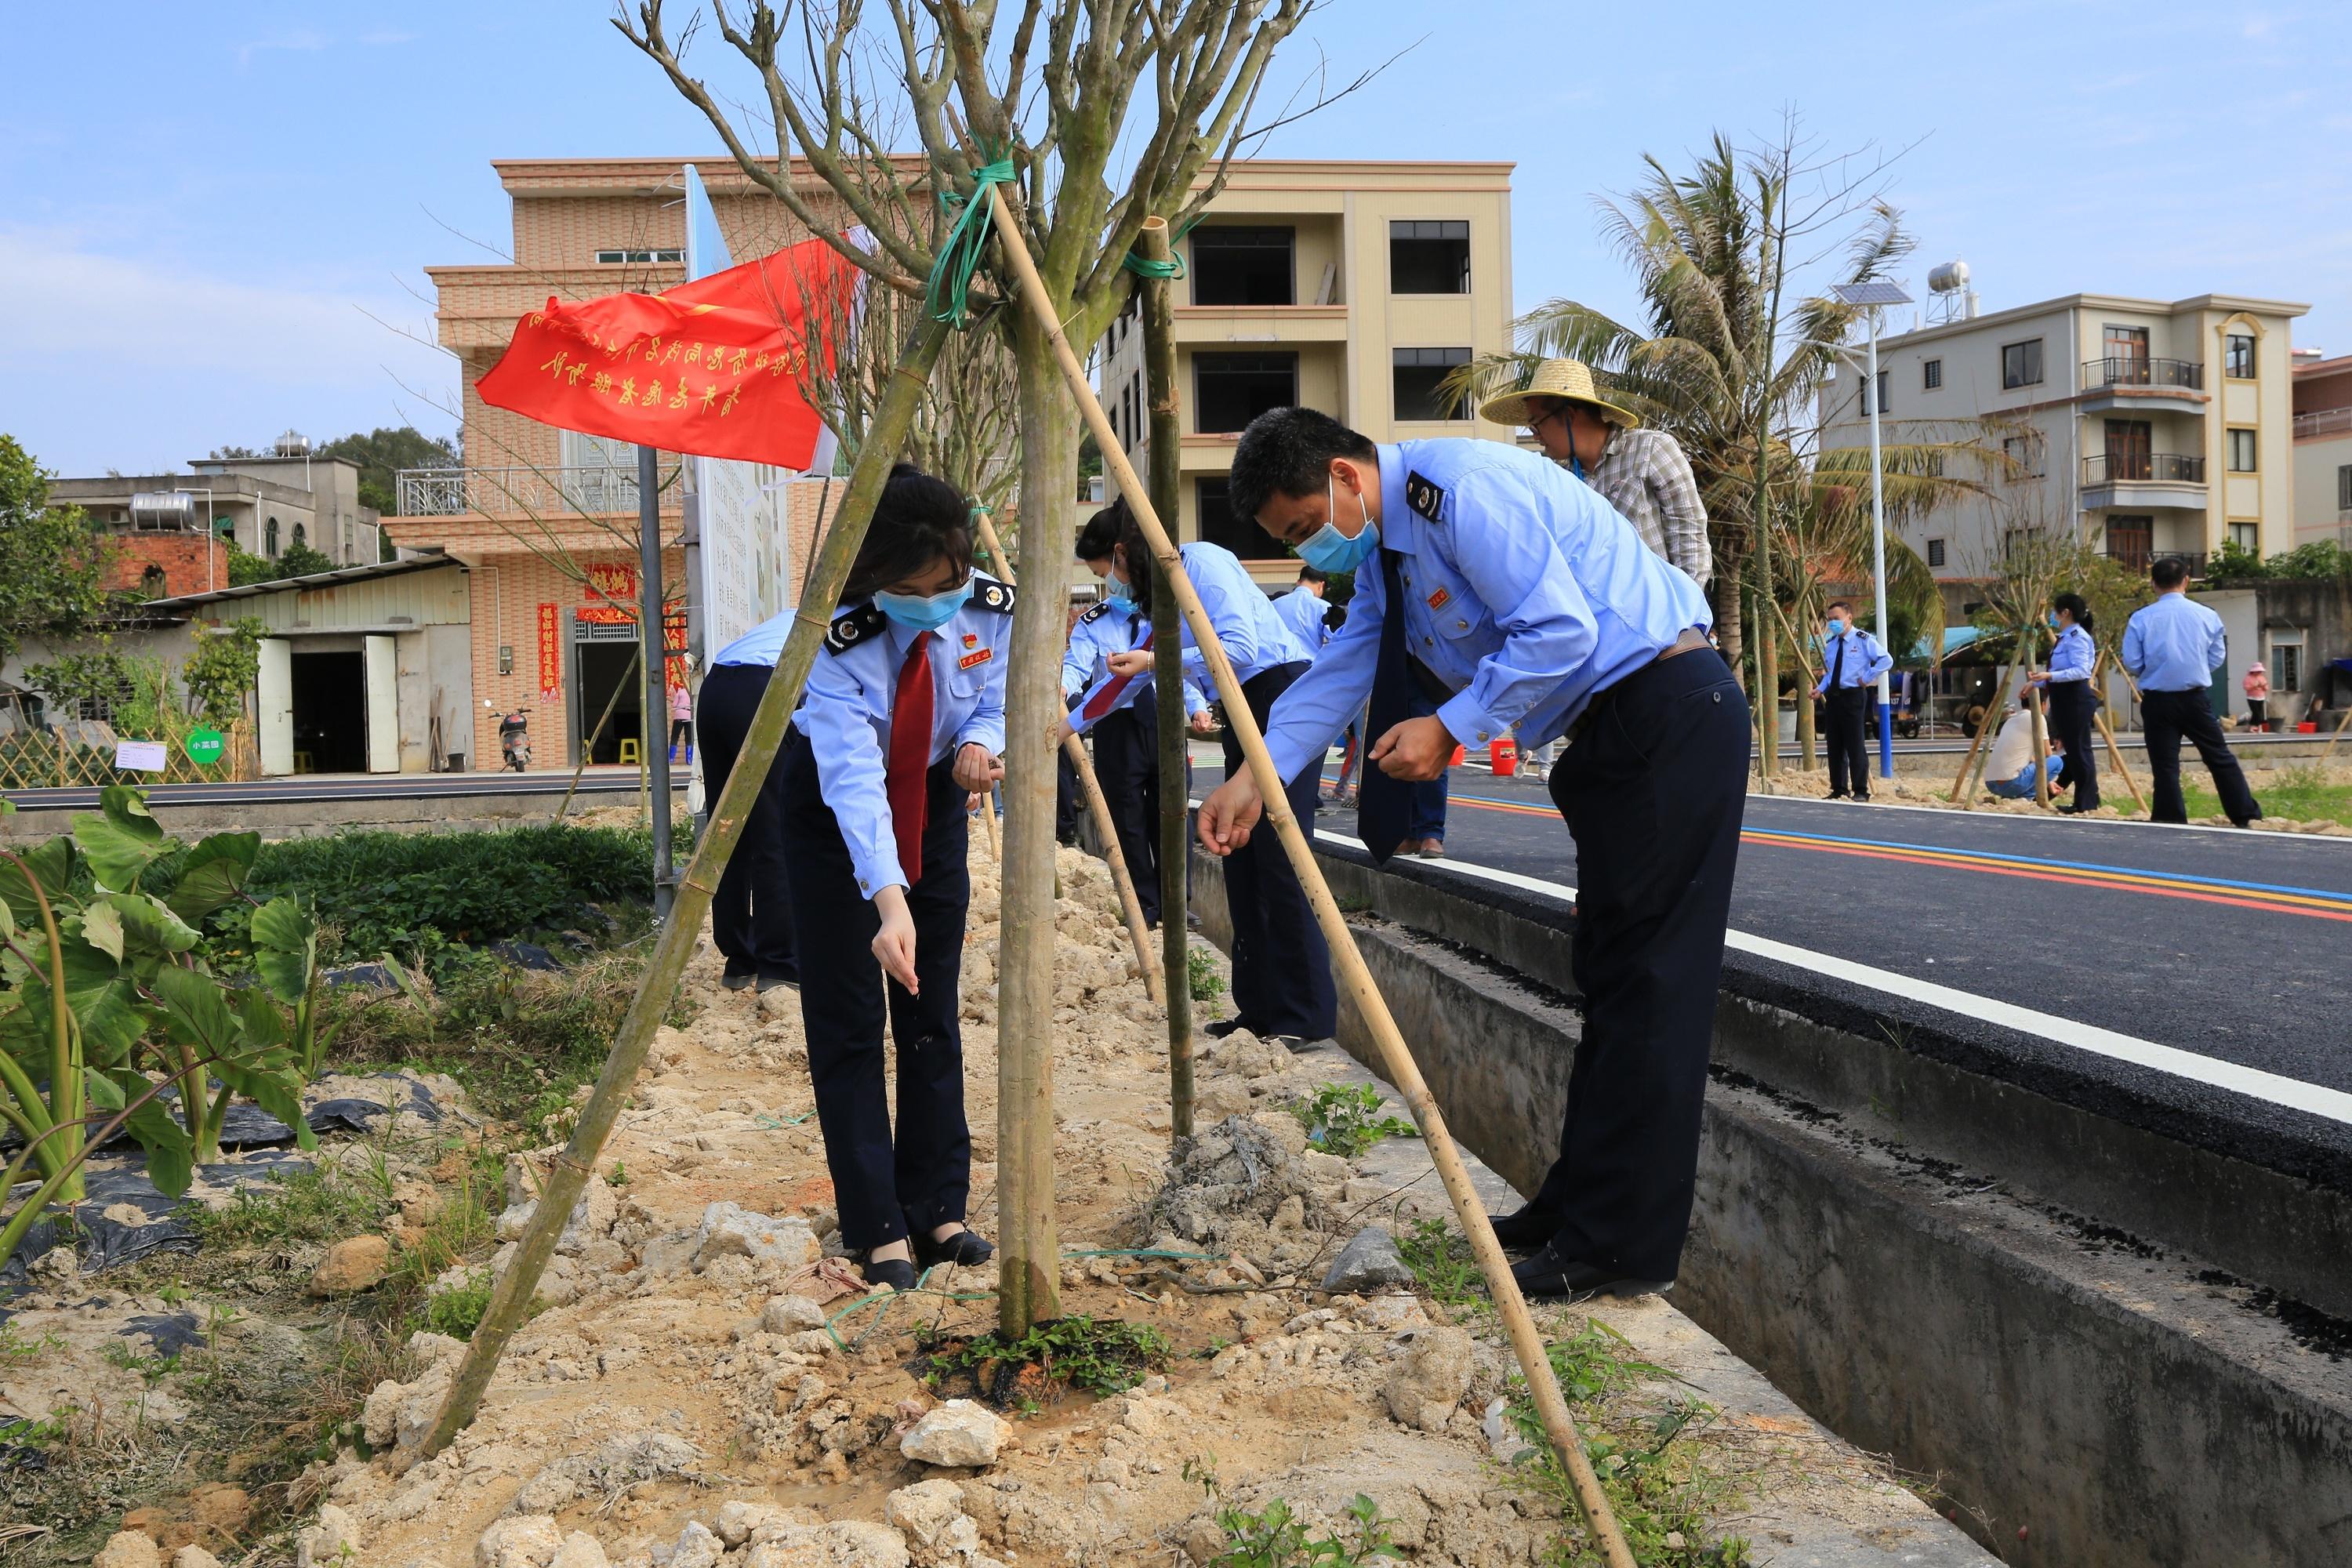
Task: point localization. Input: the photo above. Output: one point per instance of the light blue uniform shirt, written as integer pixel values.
(1524, 592)
(854, 685)
(1864, 659)
(1303, 609)
(1255, 638)
(2073, 655)
(1108, 629)
(2174, 645)
(762, 644)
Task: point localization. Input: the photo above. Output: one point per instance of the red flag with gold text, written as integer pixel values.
(712, 368)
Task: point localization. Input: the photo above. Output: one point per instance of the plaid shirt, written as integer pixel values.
(1644, 474)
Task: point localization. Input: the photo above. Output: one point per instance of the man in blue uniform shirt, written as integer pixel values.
(1851, 662)
(2172, 648)
(1305, 612)
(1503, 592)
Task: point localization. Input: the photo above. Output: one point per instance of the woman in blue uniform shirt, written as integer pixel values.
(903, 720)
(1282, 972)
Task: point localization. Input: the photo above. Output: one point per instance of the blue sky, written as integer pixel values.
(216, 215)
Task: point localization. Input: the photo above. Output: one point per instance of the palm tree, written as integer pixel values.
(1732, 370)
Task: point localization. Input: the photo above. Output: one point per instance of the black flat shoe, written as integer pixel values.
(735, 981)
(1530, 1228)
(778, 982)
(963, 1248)
(1548, 1273)
(896, 1272)
(1222, 1028)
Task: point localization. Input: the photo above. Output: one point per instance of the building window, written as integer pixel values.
(2238, 356)
(2247, 536)
(302, 536)
(1230, 389)
(1935, 553)
(2025, 453)
(611, 257)
(1413, 377)
(1931, 374)
(2020, 364)
(1429, 256)
(269, 540)
(2286, 665)
(2131, 541)
(151, 581)
(2344, 488)
(2241, 451)
(1243, 267)
(1886, 405)
(2131, 449)
(1242, 535)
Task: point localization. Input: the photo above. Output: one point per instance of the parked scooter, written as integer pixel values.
(514, 738)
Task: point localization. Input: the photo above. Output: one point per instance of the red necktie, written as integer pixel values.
(906, 777)
(1119, 683)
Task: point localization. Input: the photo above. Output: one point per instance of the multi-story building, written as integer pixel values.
(2322, 450)
(1347, 287)
(2145, 427)
(171, 530)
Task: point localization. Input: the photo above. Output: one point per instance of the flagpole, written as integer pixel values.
(652, 727)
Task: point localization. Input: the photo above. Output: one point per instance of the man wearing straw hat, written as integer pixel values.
(1641, 473)
(1493, 590)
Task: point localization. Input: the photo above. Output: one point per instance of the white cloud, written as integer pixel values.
(305, 41)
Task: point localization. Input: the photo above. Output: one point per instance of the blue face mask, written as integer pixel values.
(924, 612)
(1118, 592)
(1837, 627)
(2053, 619)
(1328, 549)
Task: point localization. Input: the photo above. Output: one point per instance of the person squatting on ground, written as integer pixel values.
(1127, 737)
(2009, 767)
(751, 913)
(2172, 648)
(1852, 661)
(1282, 973)
(1507, 593)
(903, 720)
(2073, 702)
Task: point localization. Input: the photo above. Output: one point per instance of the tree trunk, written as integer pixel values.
(1808, 740)
(1731, 577)
(1028, 1255)
(1768, 663)
(1167, 654)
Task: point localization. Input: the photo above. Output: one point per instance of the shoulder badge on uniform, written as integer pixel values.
(1098, 613)
(990, 594)
(1423, 496)
(853, 626)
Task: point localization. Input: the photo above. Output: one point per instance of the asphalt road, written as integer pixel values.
(2191, 980)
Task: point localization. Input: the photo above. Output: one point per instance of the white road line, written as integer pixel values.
(2275, 1087)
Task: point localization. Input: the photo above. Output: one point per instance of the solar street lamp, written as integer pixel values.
(1873, 297)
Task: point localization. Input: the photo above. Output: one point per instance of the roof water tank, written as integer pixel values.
(163, 509)
(1951, 278)
(293, 443)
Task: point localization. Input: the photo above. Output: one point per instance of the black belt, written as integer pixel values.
(1432, 685)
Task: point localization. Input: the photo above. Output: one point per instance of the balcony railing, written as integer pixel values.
(2139, 558)
(2323, 422)
(2135, 370)
(2168, 467)
(523, 491)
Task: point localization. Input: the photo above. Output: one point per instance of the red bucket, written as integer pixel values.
(1504, 756)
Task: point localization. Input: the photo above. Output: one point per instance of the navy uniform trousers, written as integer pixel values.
(2165, 718)
(750, 919)
(884, 1186)
(1126, 765)
(1282, 971)
(1851, 709)
(2073, 709)
(1652, 789)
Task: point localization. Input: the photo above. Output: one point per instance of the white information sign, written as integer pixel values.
(146, 756)
(746, 565)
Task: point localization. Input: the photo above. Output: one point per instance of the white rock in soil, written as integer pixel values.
(529, 1541)
(334, 1538)
(790, 1314)
(1368, 1262)
(848, 1544)
(195, 1557)
(939, 1534)
(128, 1549)
(959, 1433)
(697, 1547)
(1431, 1377)
(580, 1550)
(729, 1230)
(736, 1519)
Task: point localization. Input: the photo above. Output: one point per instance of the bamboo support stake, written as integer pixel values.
(1985, 726)
(988, 816)
(1518, 1323)
(588, 747)
(510, 1297)
(2041, 747)
(2114, 751)
(2329, 749)
(1076, 749)
(1167, 674)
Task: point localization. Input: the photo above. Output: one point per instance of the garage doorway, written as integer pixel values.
(607, 664)
(329, 691)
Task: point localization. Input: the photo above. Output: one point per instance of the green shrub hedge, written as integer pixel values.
(407, 893)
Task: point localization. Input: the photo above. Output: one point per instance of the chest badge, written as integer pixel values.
(980, 657)
(1440, 599)
(971, 639)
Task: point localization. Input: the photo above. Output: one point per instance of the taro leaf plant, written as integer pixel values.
(110, 1001)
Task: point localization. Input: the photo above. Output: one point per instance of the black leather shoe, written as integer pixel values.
(1530, 1228)
(963, 1248)
(778, 982)
(1295, 1044)
(1222, 1028)
(1546, 1273)
(737, 980)
(896, 1272)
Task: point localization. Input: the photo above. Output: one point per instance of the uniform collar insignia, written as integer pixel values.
(1098, 613)
(853, 626)
(1424, 496)
(990, 594)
